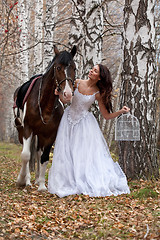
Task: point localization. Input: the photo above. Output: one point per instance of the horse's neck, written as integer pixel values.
(48, 87)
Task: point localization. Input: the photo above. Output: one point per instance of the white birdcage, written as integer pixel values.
(127, 128)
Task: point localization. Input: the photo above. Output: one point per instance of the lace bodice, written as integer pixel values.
(79, 106)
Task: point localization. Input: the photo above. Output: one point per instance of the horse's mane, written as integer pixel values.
(63, 58)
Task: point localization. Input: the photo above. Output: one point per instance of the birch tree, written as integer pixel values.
(76, 36)
(50, 15)
(23, 25)
(111, 55)
(8, 33)
(38, 35)
(157, 14)
(86, 30)
(139, 159)
(9, 36)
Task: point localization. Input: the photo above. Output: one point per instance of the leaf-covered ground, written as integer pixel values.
(29, 214)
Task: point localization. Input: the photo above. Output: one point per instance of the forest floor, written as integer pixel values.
(29, 214)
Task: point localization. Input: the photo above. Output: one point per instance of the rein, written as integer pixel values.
(55, 106)
(39, 105)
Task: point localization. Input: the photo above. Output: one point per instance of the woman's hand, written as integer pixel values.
(61, 97)
(125, 109)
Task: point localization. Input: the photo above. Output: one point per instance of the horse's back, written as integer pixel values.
(22, 90)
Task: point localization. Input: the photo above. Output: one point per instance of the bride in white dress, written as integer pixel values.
(82, 163)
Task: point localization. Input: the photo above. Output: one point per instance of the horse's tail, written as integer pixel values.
(18, 125)
(16, 111)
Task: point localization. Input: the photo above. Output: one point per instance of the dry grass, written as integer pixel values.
(29, 214)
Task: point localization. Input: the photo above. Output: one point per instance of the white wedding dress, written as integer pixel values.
(82, 163)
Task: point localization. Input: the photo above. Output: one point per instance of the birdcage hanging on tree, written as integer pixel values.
(127, 128)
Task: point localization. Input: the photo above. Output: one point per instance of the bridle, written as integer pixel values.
(58, 84)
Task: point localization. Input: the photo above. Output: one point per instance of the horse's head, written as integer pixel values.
(64, 72)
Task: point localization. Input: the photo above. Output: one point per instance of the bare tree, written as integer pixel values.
(9, 36)
(24, 25)
(157, 14)
(50, 15)
(86, 30)
(139, 82)
(9, 28)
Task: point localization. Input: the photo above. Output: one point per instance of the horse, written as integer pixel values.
(41, 113)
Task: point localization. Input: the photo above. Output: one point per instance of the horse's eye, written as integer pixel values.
(58, 68)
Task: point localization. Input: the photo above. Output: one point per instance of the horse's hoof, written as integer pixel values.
(42, 188)
(21, 182)
(28, 184)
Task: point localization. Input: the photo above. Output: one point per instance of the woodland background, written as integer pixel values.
(29, 29)
(102, 30)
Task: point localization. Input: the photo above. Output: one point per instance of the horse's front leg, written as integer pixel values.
(24, 175)
(43, 166)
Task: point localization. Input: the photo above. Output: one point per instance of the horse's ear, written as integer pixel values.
(56, 51)
(74, 50)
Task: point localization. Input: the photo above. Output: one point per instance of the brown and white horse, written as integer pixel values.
(41, 113)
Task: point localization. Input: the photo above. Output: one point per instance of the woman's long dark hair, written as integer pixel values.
(105, 86)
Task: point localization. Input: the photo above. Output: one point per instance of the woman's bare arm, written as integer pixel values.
(105, 112)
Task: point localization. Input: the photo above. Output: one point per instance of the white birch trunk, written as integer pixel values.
(86, 30)
(31, 40)
(92, 51)
(22, 71)
(23, 22)
(38, 35)
(77, 36)
(50, 15)
(157, 15)
(138, 159)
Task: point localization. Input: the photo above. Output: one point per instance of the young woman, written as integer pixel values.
(82, 163)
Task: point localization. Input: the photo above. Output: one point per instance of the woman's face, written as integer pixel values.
(94, 73)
